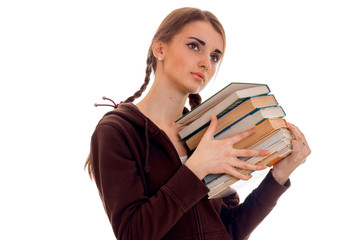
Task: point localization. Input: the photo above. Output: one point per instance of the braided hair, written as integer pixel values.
(150, 64)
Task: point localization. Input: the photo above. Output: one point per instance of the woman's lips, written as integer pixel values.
(198, 76)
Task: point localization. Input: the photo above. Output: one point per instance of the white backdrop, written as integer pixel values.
(59, 57)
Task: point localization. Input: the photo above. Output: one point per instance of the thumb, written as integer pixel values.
(210, 132)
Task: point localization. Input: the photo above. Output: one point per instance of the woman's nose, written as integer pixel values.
(205, 62)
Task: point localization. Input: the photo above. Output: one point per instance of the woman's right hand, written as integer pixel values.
(219, 156)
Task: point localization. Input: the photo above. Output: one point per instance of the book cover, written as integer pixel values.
(244, 90)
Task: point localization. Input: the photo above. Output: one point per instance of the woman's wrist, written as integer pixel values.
(279, 176)
(195, 168)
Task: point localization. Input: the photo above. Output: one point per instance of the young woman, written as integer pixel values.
(150, 186)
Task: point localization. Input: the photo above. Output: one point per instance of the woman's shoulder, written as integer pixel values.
(125, 115)
(120, 124)
(128, 122)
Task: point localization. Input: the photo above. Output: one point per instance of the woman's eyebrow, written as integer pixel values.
(200, 41)
(204, 43)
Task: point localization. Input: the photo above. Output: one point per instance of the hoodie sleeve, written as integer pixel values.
(132, 214)
(241, 220)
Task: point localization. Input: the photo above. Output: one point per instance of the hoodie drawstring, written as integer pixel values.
(147, 146)
(115, 105)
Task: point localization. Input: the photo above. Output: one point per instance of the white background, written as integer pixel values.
(59, 57)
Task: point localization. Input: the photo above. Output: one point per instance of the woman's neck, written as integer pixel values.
(163, 105)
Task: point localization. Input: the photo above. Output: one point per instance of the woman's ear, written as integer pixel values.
(158, 50)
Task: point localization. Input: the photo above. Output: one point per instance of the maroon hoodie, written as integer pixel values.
(149, 194)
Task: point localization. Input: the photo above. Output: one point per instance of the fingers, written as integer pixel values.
(300, 138)
(238, 166)
(247, 166)
(223, 156)
(237, 173)
(301, 149)
(295, 146)
(235, 166)
(210, 132)
(240, 136)
(250, 153)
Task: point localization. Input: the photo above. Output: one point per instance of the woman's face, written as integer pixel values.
(192, 56)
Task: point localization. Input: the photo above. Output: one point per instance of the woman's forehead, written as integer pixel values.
(203, 31)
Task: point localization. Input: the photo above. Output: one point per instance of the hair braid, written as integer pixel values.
(194, 100)
(150, 65)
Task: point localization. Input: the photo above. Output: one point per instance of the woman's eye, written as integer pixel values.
(193, 46)
(215, 58)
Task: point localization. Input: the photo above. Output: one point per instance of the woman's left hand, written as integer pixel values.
(301, 150)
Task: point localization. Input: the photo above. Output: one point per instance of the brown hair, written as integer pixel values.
(169, 27)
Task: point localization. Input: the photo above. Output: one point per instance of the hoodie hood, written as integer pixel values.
(132, 114)
(150, 131)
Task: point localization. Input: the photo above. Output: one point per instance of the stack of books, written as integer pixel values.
(240, 107)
